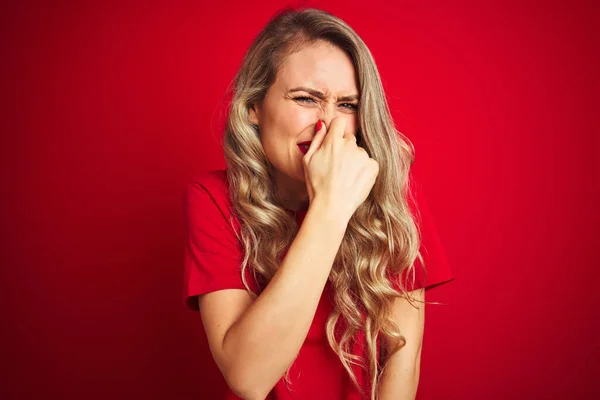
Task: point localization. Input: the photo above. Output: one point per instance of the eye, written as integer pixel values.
(304, 99)
(350, 106)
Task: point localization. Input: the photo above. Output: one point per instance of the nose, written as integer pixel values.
(327, 114)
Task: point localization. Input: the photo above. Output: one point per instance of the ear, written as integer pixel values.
(253, 114)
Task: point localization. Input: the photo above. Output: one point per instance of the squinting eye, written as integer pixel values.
(303, 98)
(350, 106)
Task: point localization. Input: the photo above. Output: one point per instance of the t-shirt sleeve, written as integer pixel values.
(437, 269)
(213, 254)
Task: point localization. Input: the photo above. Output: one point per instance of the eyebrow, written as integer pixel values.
(320, 95)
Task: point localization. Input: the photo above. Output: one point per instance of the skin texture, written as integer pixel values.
(288, 118)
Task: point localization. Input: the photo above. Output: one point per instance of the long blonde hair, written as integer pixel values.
(382, 238)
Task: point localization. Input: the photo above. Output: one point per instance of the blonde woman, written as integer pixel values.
(308, 257)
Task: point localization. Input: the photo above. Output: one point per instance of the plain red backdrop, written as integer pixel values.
(109, 109)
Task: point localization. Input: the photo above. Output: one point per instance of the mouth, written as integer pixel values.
(304, 147)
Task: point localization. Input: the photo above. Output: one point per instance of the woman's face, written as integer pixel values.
(317, 82)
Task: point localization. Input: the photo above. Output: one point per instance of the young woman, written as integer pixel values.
(304, 255)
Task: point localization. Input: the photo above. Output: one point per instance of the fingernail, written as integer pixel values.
(319, 125)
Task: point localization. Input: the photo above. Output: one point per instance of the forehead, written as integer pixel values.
(320, 66)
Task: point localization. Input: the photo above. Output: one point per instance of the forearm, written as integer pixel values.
(264, 342)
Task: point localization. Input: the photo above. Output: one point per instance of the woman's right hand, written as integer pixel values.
(339, 174)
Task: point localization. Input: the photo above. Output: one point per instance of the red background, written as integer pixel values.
(110, 108)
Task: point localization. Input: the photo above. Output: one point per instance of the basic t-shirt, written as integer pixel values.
(212, 261)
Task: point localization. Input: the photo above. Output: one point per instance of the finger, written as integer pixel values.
(350, 136)
(337, 127)
(316, 141)
(307, 183)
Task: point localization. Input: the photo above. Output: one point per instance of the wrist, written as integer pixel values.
(331, 214)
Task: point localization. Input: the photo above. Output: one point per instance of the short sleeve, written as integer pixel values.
(213, 254)
(437, 269)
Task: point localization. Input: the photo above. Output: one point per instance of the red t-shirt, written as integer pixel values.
(213, 258)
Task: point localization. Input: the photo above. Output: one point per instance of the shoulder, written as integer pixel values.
(211, 181)
(436, 268)
(208, 193)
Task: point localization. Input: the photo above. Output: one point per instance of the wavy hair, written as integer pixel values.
(382, 237)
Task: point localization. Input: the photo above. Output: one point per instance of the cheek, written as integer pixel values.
(290, 121)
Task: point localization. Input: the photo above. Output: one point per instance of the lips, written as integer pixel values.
(304, 146)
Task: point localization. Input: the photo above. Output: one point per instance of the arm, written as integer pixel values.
(400, 378)
(254, 343)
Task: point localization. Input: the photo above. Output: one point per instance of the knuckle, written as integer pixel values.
(375, 165)
(363, 152)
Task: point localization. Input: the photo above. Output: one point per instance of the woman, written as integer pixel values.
(303, 256)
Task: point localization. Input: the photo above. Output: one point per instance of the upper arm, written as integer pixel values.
(435, 269)
(410, 318)
(400, 376)
(213, 256)
(219, 311)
